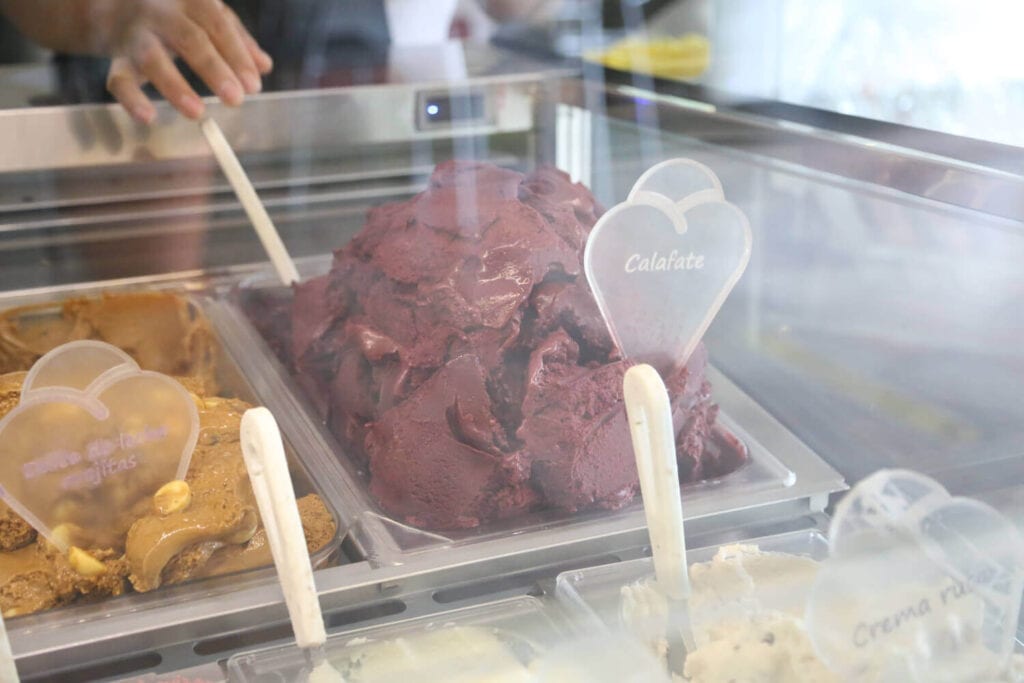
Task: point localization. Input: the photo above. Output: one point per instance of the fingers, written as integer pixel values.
(262, 60)
(191, 42)
(124, 83)
(151, 60)
(204, 33)
(211, 16)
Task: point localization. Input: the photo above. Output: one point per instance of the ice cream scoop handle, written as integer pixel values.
(650, 425)
(254, 208)
(272, 485)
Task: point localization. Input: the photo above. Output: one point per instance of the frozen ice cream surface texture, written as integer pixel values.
(163, 332)
(747, 614)
(457, 353)
(218, 531)
(747, 610)
(456, 654)
(769, 648)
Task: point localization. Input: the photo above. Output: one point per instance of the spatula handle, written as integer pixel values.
(272, 484)
(650, 424)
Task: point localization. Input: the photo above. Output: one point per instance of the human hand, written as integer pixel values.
(206, 34)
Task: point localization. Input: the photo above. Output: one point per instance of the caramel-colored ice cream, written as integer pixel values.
(217, 533)
(38, 577)
(219, 529)
(163, 332)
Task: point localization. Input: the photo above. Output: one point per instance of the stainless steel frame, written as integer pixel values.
(887, 166)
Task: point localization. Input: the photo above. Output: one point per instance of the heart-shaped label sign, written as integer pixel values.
(677, 179)
(91, 437)
(661, 265)
(919, 585)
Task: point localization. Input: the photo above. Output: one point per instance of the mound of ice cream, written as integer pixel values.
(218, 532)
(161, 331)
(456, 350)
(746, 610)
(458, 654)
(475, 654)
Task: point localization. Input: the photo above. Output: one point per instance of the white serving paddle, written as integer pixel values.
(650, 425)
(272, 484)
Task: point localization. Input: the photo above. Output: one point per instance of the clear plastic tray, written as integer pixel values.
(519, 628)
(233, 383)
(781, 474)
(591, 596)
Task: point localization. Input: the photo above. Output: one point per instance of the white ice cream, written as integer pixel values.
(452, 654)
(746, 609)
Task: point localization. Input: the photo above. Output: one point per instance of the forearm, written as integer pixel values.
(72, 26)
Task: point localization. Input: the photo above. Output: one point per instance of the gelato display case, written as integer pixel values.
(442, 377)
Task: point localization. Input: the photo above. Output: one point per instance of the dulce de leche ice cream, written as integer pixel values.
(214, 528)
(162, 332)
(456, 350)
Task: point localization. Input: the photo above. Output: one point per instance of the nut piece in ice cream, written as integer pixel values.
(458, 354)
(84, 563)
(173, 496)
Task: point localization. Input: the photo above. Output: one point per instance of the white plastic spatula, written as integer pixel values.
(268, 472)
(8, 672)
(254, 208)
(650, 425)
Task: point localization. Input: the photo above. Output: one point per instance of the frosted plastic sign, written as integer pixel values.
(662, 263)
(92, 435)
(919, 585)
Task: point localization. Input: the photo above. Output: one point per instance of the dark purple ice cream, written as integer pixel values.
(456, 350)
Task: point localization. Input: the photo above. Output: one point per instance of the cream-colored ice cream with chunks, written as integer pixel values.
(747, 610)
(747, 614)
